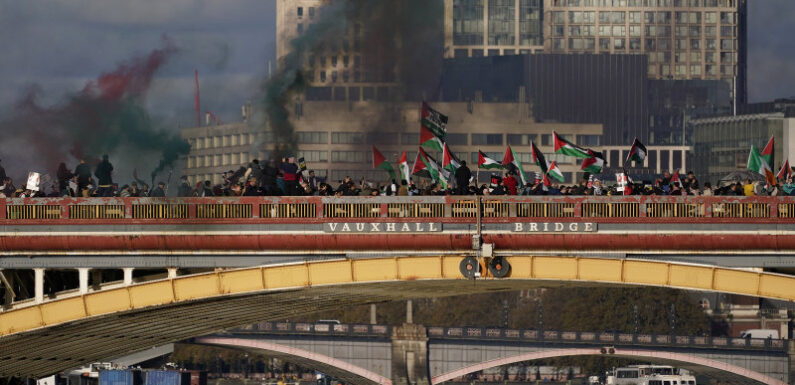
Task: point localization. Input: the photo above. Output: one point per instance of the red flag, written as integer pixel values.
(785, 172)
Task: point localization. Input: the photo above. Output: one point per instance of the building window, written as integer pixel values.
(300, 28)
(315, 137)
(456, 139)
(311, 12)
(468, 21)
(588, 140)
(381, 138)
(300, 12)
(313, 156)
(487, 139)
(350, 156)
(521, 139)
(347, 138)
(410, 139)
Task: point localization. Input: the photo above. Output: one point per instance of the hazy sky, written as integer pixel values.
(61, 44)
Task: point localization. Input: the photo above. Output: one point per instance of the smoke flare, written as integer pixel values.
(105, 116)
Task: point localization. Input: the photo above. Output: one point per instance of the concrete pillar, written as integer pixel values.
(172, 272)
(83, 279)
(38, 274)
(410, 355)
(128, 277)
(96, 279)
(372, 314)
(409, 312)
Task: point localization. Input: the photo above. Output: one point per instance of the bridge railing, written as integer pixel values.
(317, 328)
(452, 208)
(605, 338)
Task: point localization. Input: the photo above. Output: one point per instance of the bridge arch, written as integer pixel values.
(90, 326)
(337, 368)
(619, 352)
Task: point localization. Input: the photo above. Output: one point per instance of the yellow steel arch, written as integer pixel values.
(38, 340)
(406, 269)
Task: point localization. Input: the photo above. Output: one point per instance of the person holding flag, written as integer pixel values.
(594, 164)
(637, 153)
(486, 163)
(786, 172)
(510, 161)
(380, 162)
(538, 158)
(405, 172)
(758, 163)
(433, 128)
(427, 167)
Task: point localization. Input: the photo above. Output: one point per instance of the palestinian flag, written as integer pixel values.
(433, 128)
(380, 162)
(554, 171)
(595, 163)
(510, 160)
(405, 172)
(538, 158)
(767, 153)
(757, 163)
(785, 172)
(449, 160)
(675, 179)
(426, 166)
(637, 153)
(487, 163)
(564, 147)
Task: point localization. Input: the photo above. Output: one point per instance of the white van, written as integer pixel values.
(759, 333)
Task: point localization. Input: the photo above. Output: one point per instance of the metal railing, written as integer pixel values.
(319, 328)
(554, 336)
(508, 335)
(610, 209)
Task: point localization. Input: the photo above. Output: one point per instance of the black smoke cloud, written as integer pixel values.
(400, 42)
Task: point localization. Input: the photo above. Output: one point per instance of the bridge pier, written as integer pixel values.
(410, 355)
(128, 275)
(82, 273)
(38, 279)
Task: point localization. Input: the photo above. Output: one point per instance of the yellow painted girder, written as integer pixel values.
(403, 269)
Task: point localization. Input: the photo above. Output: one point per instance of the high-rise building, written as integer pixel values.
(475, 28)
(683, 39)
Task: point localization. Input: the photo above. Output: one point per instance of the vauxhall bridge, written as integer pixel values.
(193, 266)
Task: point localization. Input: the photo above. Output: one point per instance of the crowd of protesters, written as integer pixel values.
(287, 179)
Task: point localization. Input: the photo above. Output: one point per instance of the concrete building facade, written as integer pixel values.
(722, 144)
(476, 28)
(683, 39)
(335, 138)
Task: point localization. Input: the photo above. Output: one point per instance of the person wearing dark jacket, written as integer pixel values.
(63, 176)
(83, 172)
(462, 177)
(269, 175)
(184, 188)
(290, 171)
(159, 191)
(104, 179)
